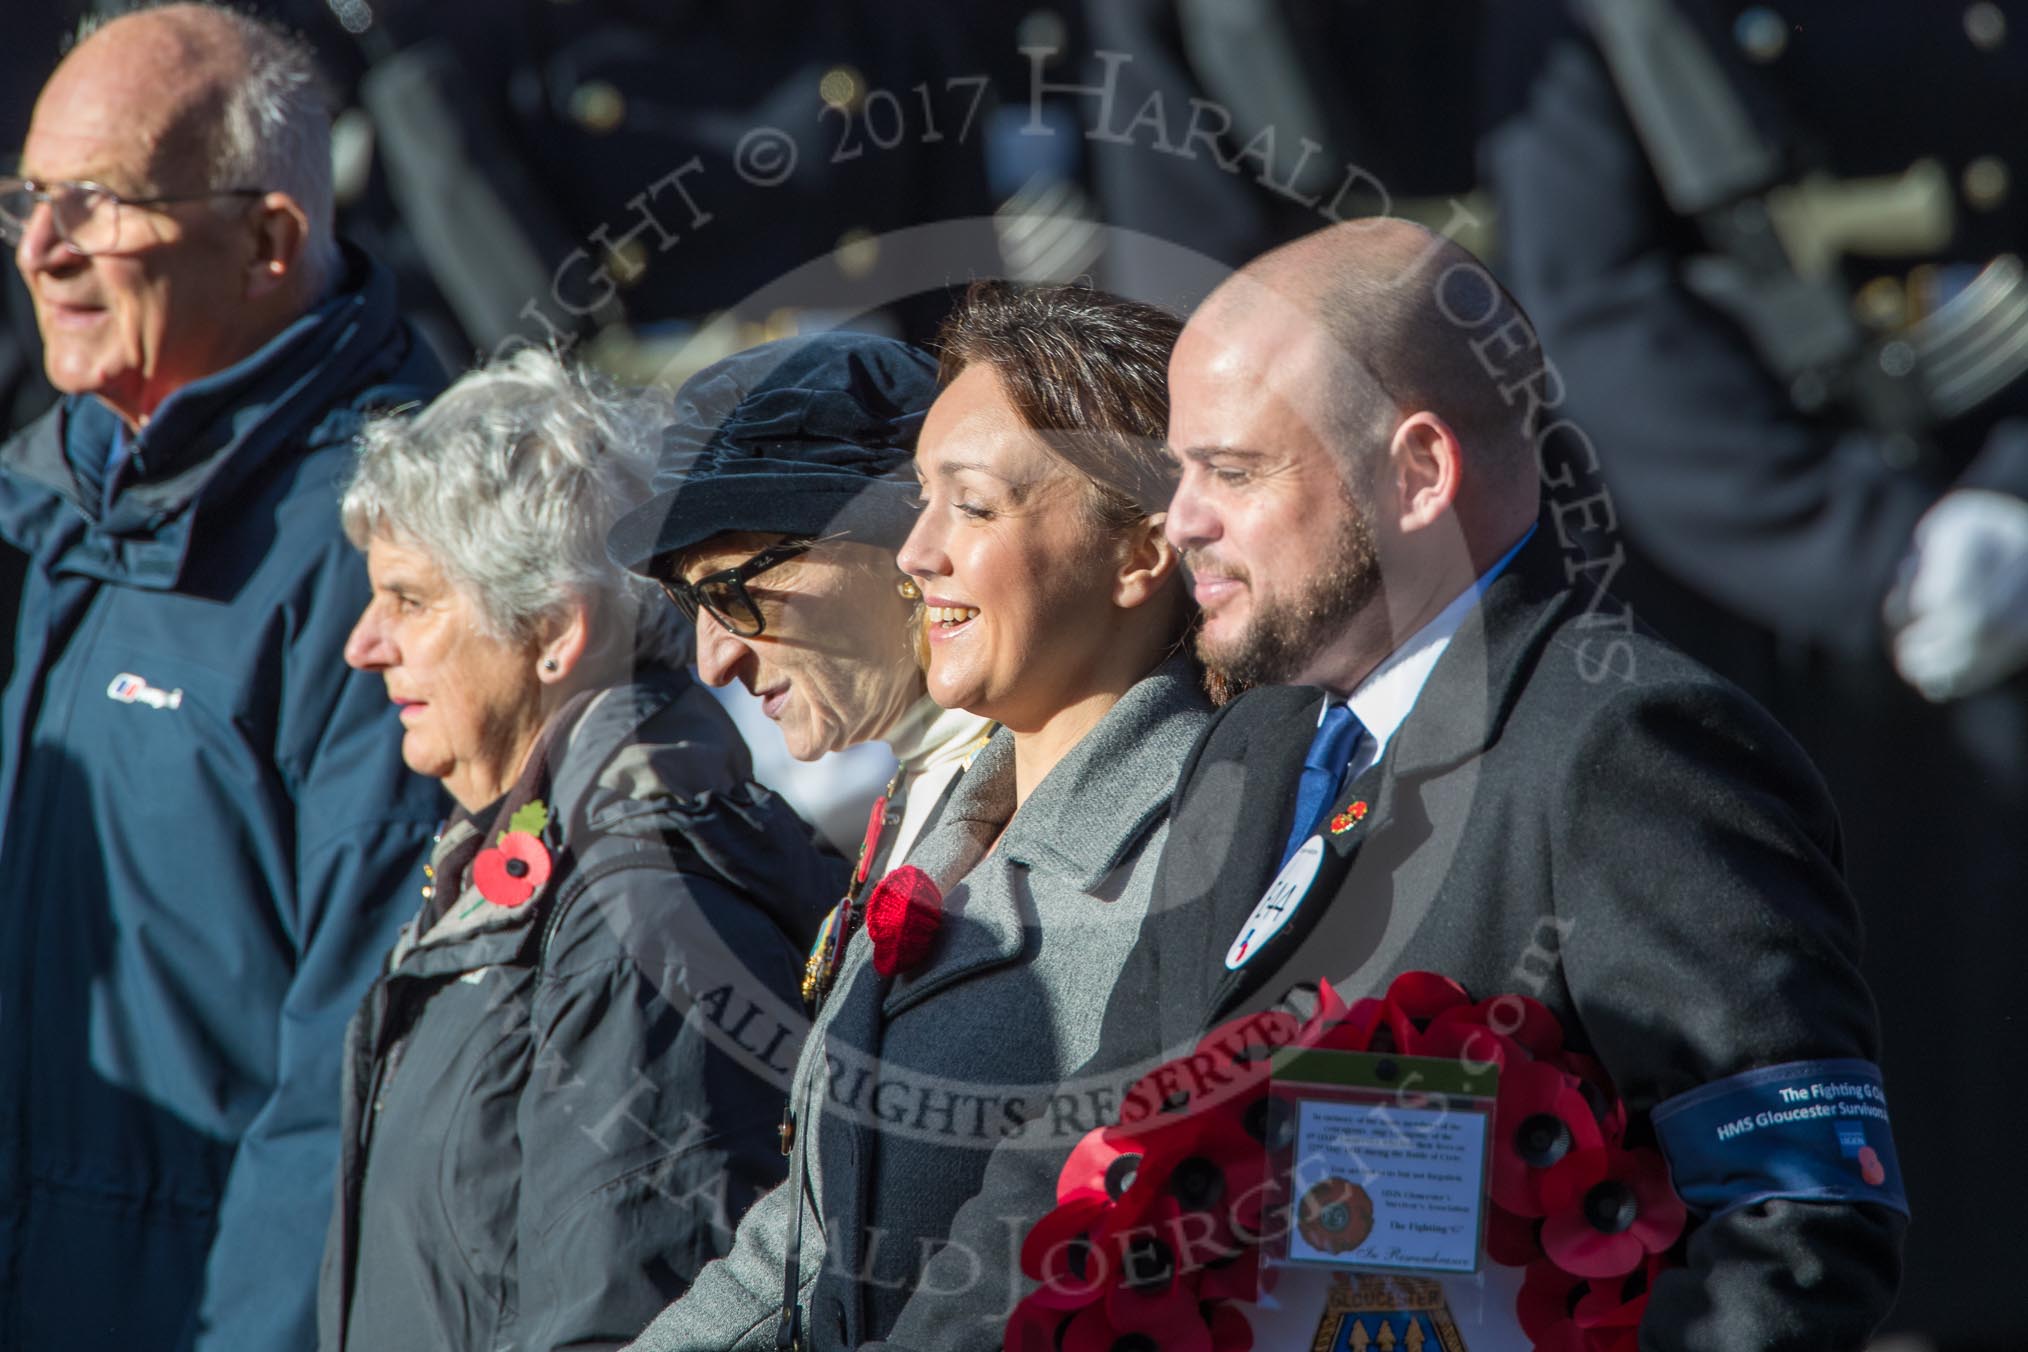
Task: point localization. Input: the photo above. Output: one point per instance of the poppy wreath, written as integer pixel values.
(1155, 1236)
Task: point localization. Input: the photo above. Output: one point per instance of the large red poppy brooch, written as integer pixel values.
(903, 914)
(513, 870)
(1159, 1217)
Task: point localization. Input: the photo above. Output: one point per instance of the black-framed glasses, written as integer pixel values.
(724, 592)
(87, 215)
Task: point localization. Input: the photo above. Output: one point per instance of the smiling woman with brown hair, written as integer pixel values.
(1054, 606)
(1049, 588)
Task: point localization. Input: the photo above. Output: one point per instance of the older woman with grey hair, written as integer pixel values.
(561, 1092)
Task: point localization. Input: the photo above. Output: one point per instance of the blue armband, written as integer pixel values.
(1808, 1131)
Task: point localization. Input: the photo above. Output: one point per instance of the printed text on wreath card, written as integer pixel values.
(1383, 1186)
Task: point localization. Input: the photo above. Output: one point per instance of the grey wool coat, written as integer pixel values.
(906, 1084)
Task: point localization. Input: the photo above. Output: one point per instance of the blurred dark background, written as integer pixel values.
(1768, 248)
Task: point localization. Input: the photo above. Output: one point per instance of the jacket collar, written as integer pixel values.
(1093, 808)
(581, 752)
(1460, 707)
(212, 434)
(1081, 822)
(1474, 685)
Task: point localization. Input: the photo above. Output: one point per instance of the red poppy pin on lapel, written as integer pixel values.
(903, 915)
(515, 869)
(1349, 818)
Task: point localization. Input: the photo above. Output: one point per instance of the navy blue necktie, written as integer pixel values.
(1323, 766)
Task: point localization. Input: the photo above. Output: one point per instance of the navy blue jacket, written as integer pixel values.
(205, 834)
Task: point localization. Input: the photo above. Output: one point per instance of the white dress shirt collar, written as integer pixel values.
(1383, 700)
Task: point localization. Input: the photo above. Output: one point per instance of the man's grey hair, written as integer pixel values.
(274, 126)
(508, 482)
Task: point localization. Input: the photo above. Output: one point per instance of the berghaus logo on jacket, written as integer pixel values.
(127, 688)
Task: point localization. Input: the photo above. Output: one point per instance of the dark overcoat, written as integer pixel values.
(1571, 813)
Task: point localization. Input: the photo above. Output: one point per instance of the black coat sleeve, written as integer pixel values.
(1703, 930)
(1800, 525)
(647, 1125)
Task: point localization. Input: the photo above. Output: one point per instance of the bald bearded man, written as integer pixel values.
(204, 816)
(1458, 754)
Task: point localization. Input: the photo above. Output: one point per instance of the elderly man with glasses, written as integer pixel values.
(204, 816)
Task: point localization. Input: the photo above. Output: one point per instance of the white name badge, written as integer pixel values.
(1274, 908)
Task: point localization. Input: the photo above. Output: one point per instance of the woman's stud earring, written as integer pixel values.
(549, 664)
(909, 591)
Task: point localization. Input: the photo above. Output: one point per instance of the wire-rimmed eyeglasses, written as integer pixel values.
(87, 215)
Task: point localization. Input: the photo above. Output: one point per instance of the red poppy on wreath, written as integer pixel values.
(1201, 1193)
(1511, 1240)
(1597, 1087)
(1424, 995)
(1065, 1251)
(1128, 1264)
(1033, 1326)
(903, 914)
(1186, 1326)
(1062, 1254)
(512, 871)
(1414, 1001)
(1527, 1023)
(1608, 1210)
(1458, 1035)
(1139, 1296)
(1238, 1277)
(1547, 1306)
(1616, 1306)
(1103, 1161)
(1561, 1312)
(1540, 1119)
(1155, 1308)
(1230, 1331)
(1349, 818)
(1154, 1296)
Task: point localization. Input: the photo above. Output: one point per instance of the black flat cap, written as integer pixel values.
(803, 436)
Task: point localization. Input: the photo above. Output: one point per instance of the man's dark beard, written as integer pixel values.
(1284, 635)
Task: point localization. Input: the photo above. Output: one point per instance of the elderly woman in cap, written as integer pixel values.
(1054, 607)
(562, 1090)
(786, 490)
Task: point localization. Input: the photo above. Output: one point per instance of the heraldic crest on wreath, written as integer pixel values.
(1372, 1311)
